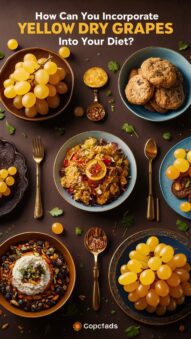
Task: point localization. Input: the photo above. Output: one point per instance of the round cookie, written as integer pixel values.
(161, 73)
(156, 107)
(133, 72)
(170, 98)
(138, 90)
(149, 107)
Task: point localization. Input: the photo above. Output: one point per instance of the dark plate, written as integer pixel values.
(120, 257)
(9, 156)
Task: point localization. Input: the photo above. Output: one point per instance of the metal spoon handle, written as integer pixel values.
(95, 92)
(96, 290)
(150, 199)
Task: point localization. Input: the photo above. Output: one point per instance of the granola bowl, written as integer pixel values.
(37, 274)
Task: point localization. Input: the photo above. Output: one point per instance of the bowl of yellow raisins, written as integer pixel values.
(13, 177)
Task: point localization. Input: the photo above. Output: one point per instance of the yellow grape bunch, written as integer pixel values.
(155, 278)
(7, 180)
(181, 167)
(35, 85)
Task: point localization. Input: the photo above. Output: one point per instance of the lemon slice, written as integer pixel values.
(95, 77)
(96, 170)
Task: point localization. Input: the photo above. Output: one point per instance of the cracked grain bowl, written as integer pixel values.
(95, 171)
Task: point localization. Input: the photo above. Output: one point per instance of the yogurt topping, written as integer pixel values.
(31, 287)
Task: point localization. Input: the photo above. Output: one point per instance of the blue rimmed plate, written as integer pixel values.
(135, 60)
(120, 257)
(165, 183)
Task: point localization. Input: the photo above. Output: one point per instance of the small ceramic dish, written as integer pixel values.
(135, 60)
(9, 67)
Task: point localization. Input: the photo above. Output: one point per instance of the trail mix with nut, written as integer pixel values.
(55, 263)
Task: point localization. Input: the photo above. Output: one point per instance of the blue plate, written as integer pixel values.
(135, 60)
(165, 183)
(78, 139)
(120, 257)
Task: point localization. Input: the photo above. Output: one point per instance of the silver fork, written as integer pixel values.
(38, 156)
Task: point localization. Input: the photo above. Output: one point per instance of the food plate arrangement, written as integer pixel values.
(10, 158)
(37, 274)
(180, 244)
(135, 61)
(95, 171)
(166, 185)
(36, 84)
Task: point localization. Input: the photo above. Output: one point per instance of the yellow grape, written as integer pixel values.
(176, 292)
(64, 52)
(154, 263)
(7, 192)
(12, 44)
(161, 288)
(158, 249)
(12, 170)
(134, 266)
(42, 77)
(136, 255)
(143, 248)
(180, 300)
(30, 66)
(133, 297)
(182, 165)
(29, 100)
(180, 153)
(182, 273)
(160, 310)
(174, 280)
(147, 277)
(140, 304)
(20, 74)
(185, 206)
(52, 90)
(9, 92)
(62, 73)
(124, 269)
(187, 267)
(17, 102)
(42, 106)
(19, 64)
(31, 112)
(152, 298)
(186, 286)
(165, 300)
(127, 278)
(131, 287)
(62, 88)
(53, 102)
(3, 173)
(172, 172)
(50, 67)
(22, 87)
(11, 76)
(54, 79)
(164, 272)
(179, 260)
(30, 56)
(152, 242)
(42, 61)
(142, 290)
(3, 187)
(167, 253)
(172, 305)
(41, 91)
(8, 82)
(189, 156)
(150, 309)
(10, 181)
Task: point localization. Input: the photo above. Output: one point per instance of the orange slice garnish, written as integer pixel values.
(95, 169)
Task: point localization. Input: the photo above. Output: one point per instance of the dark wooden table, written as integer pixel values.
(21, 220)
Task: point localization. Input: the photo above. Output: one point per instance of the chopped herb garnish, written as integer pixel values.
(128, 220)
(182, 226)
(167, 136)
(130, 129)
(182, 45)
(113, 66)
(108, 93)
(31, 273)
(56, 212)
(113, 312)
(78, 231)
(2, 115)
(10, 128)
(132, 331)
(113, 108)
(188, 183)
(2, 55)
(60, 130)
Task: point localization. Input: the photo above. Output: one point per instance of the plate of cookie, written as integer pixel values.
(155, 84)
